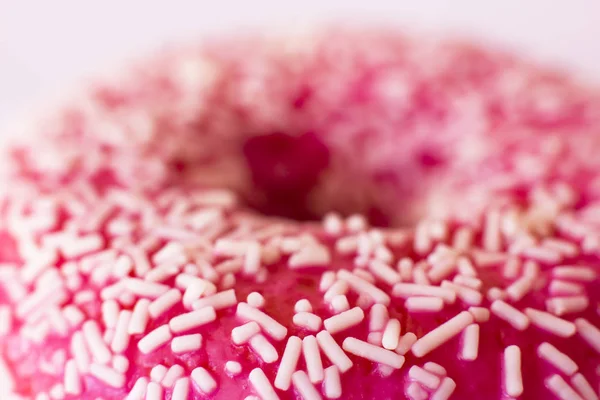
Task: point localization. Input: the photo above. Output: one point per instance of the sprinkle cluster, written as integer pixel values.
(108, 279)
(124, 275)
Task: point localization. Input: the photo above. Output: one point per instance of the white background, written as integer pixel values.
(48, 46)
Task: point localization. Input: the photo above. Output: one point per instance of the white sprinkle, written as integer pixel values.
(405, 267)
(510, 314)
(228, 281)
(155, 339)
(383, 254)
(333, 351)
(327, 279)
(406, 342)
(312, 357)
(154, 391)
(567, 249)
(470, 343)
(232, 266)
(218, 301)
(170, 252)
(567, 305)
(338, 288)
(422, 241)
(252, 259)
(406, 290)
(332, 386)
(241, 334)
(445, 390)
(107, 375)
(589, 333)
(520, 288)
(310, 256)
(420, 276)
(186, 343)
(172, 376)
(441, 270)
(267, 323)
(361, 286)
(364, 274)
(583, 387)
(558, 287)
(304, 387)
(414, 391)
(94, 341)
(391, 334)
(467, 295)
(480, 314)
(511, 268)
(495, 293)
(164, 303)
(139, 317)
(561, 389)
(204, 380)
(73, 315)
(234, 368)
(303, 305)
(255, 300)
(577, 273)
(468, 281)
(79, 246)
(158, 373)
(181, 389)
(120, 363)
(435, 368)
(513, 380)
(265, 350)
(138, 391)
(307, 320)
(120, 340)
(123, 266)
(559, 360)
(372, 353)
(531, 269)
(333, 224)
(143, 288)
(356, 223)
(162, 273)
(231, 248)
(424, 377)
(113, 291)
(384, 272)
(57, 392)
(196, 287)
(288, 364)
(465, 267)
(551, 323)
(486, 259)
(110, 313)
(340, 303)
(442, 334)
(80, 353)
(424, 304)
(192, 319)
(72, 379)
(261, 385)
(344, 320)
(378, 317)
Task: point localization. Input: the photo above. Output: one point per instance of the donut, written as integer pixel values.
(342, 214)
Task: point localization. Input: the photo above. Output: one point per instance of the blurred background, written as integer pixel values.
(48, 46)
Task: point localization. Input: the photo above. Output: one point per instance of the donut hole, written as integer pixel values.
(284, 169)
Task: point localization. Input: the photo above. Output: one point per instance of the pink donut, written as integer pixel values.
(350, 214)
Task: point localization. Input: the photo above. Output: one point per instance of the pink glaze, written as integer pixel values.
(112, 201)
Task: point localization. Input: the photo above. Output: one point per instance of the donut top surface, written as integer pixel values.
(157, 239)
